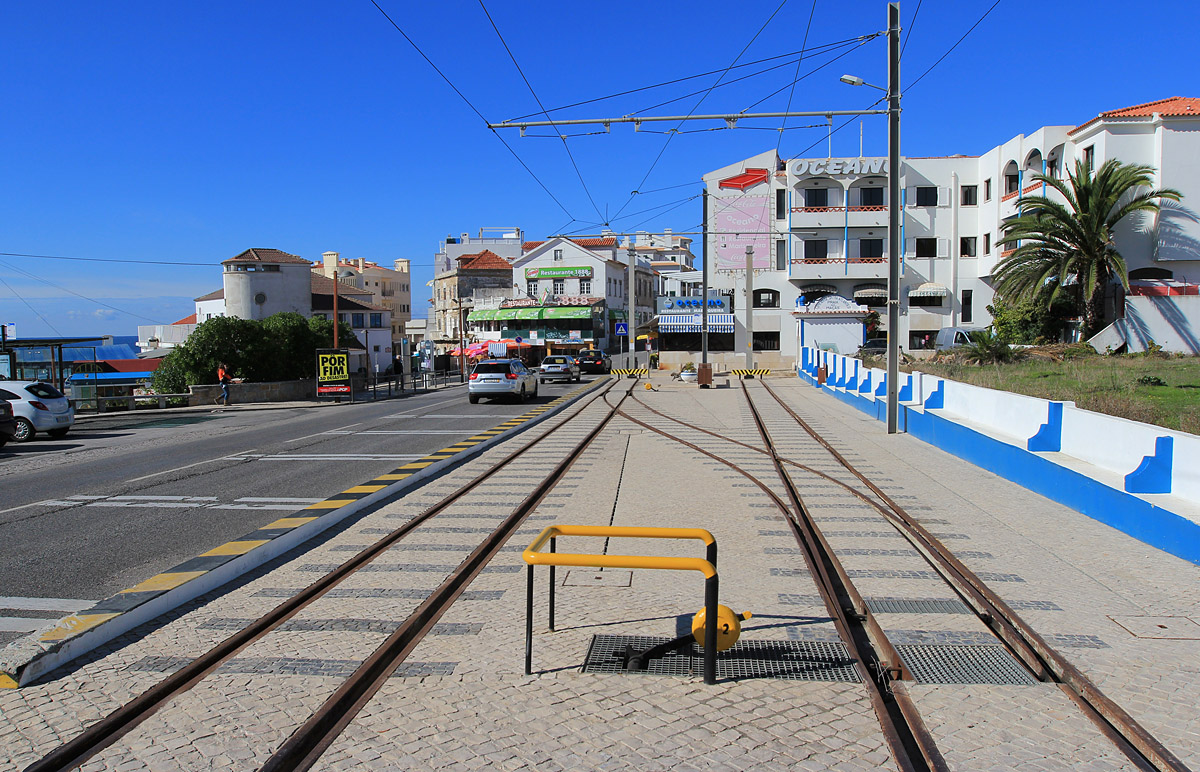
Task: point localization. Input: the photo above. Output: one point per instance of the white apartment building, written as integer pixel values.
(818, 226)
(389, 287)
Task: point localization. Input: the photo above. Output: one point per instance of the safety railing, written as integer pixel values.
(534, 556)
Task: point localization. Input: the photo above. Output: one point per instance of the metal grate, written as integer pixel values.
(916, 606)
(963, 665)
(792, 660)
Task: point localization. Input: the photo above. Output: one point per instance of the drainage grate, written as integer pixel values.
(963, 665)
(916, 606)
(792, 660)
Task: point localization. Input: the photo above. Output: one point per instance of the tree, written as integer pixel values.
(987, 348)
(1067, 249)
(1030, 321)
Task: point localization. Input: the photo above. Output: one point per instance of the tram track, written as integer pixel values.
(847, 607)
(306, 743)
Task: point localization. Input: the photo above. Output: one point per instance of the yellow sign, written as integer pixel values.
(333, 367)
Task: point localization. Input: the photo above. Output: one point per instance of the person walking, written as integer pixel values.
(400, 370)
(224, 379)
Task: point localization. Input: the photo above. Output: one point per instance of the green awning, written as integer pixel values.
(507, 313)
(616, 313)
(568, 312)
(528, 313)
(482, 315)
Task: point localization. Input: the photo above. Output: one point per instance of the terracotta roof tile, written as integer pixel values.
(188, 319)
(214, 295)
(322, 285)
(487, 260)
(132, 365)
(586, 243)
(1169, 107)
(265, 256)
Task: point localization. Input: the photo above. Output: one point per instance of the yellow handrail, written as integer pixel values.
(534, 557)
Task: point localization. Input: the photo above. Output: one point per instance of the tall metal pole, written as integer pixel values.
(335, 311)
(462, 355)
(704, 285)
(894, 220)
(631, 313)
(749, 306)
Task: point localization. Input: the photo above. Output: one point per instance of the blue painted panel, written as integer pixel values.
(1153, 475)
(1049, 438)
(937, 399)
(906, 390)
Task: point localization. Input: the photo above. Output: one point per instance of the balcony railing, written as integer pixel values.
(1013, 194)
(1005, 253)
(827, 260)
(820, 209)
(1029, 188)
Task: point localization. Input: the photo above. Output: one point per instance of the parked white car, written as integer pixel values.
(502, 378)
(38, 407)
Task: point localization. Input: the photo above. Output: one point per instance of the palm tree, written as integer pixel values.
(1068, 248)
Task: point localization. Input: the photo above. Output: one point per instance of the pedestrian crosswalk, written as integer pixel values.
(24, 615)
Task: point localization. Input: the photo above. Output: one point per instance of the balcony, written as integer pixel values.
(839, 216)
(807, 269)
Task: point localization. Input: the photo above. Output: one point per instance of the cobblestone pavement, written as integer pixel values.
(461, 701)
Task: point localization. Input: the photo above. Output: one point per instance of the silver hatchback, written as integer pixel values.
(38, 407)
(559, 368)
(502, 378)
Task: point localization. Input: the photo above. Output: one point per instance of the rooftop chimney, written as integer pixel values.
(362, 263)
(330, 267)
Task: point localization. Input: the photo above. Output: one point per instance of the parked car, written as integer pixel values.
(873, 347)
(559, 368)
(8, 425)
(38, 407)
(594, 361)
(501, 378)
(953, 337)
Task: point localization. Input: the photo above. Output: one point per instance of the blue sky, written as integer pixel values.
(185, 133)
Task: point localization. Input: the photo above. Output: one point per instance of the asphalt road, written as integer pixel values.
(121, 499)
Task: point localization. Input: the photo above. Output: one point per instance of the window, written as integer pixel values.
(987, 243)
(780, 254)
(342, 318)
(870, 247)
(376, 320)
(927, 196)
(766, 298)
(1052, 168)
(271, 268)
(987, 190)
(970, 195)
(870, 196)
(585, 286)
(1011, 183)
(560, 287)
(558, 255)
(926, 248)
(766, 341)
(356, 320)
(531, 288)
(781, 205)
(967, 313)
(816, 249)
(966, 246)
(816, 197)
(1089, 155)
(934, 301)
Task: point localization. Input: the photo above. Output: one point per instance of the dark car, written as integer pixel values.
(594, 361)
(873, 347)
(8, 424)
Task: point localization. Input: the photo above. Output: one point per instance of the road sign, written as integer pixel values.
(519, 339)
(622, 328)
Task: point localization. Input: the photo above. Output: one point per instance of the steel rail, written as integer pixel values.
(104, 732)
(908, 715)
(309, 741)
(1139, 746)
(911, 743)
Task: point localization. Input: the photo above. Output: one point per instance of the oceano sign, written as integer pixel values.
(842, 167)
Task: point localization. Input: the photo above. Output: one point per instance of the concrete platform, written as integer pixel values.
(1124, 613)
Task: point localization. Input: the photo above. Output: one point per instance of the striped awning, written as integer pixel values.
(679, 322)
(929, 289)
(828, 288)
(719, 322)
(865, 291)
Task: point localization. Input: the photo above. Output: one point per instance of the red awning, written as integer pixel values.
(745, 179)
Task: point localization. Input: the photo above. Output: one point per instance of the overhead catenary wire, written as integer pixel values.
(796, 75)
(35, 277)
(474, 109)
(30, 307)
(956, 44)
(529, 85)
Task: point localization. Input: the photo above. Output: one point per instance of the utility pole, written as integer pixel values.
(631, 314)
(704, 284)
(749, 307)
(894, 219)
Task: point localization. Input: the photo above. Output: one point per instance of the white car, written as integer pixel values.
(502, 378)
(38, 407)
(559, 367)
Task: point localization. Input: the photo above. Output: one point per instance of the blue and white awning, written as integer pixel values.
(719, 322)
(691, 322)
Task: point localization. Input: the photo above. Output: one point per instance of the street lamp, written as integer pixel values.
(894, 213)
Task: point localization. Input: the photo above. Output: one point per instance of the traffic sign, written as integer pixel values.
(622, 328)
(519, 340)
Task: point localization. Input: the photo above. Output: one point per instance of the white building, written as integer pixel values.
(389, 287)
(818, 226)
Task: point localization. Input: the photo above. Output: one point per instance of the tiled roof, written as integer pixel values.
(190, 319)
(487, 260)
(322, 285)
(131, 365)
(214, 295)
(1170, 107)
(602, 241)
(324, 302)
(265, 256)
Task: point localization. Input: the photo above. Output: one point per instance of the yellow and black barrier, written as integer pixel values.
(750, 373)
(631, 371)
(703, 629)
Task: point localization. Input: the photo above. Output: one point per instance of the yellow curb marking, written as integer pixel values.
(167, 581)
(75, 624)
(364, 489)
(234, 548)
(7, 682)
(331, 503)
(392, 476)
(415, 465)
(288, 522)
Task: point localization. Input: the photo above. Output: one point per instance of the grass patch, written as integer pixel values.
(1155, 389)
